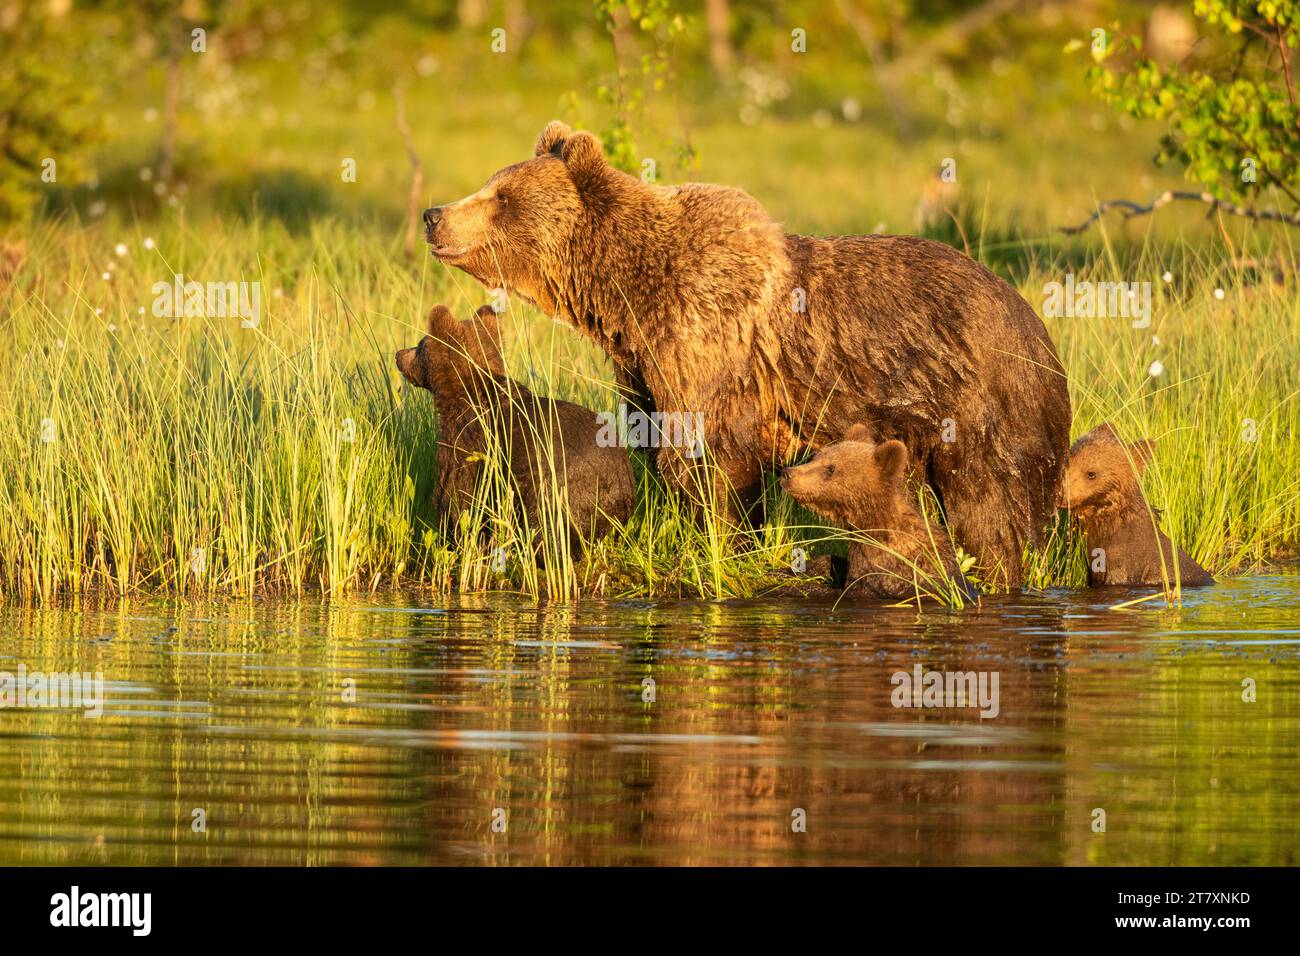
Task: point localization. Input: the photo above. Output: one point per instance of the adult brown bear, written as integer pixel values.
(783, 341)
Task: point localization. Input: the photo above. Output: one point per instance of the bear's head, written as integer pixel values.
(1103, 472)
(513, 230)
(455, 357)
(855, 482)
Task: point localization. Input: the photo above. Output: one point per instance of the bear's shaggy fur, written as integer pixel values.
(782, 341)
(1102, 491)
(862, 486)
(461, 364)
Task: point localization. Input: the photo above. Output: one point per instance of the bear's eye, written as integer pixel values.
(1092, 476)
(503, 199)
(830, 470)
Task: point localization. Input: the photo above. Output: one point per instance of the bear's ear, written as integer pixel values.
(483, 337)
(1105, 431)
(584, 156)
(581, 151)
(891, 459)
(440, 319)
(1142, 450)
(858, 432)
(552, 136)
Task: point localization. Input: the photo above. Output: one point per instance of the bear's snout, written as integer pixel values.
(404, 359)
(432, 216)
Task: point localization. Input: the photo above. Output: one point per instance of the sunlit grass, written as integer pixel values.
(193, 455)
(1213, 382)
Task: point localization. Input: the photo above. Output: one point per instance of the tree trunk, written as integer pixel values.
(718, 17)
(171, 104)
(471, 13)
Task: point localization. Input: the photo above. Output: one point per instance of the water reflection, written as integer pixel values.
(391, 731)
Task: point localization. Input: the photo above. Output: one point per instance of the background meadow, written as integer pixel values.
(196, 455)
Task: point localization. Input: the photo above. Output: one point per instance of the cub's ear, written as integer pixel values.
(1105, 430)
(440, 319)
(552, 136)
(858, 432)
(1142, 450)
(484, 339)
(891, 459)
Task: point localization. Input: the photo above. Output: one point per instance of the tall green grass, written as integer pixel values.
(197, 456)
(1213, 381)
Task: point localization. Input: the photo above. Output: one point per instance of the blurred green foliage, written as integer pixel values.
(642, 73)
(46, 122)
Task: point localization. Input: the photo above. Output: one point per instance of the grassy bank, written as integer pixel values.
(201, 456)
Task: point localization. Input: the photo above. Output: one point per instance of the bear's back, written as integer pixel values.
(553, 442)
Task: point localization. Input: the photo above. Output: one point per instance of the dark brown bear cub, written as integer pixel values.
(862, 486)
(1102, 491)
(461, 364)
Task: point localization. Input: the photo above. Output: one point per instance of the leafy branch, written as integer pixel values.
(1230, 108)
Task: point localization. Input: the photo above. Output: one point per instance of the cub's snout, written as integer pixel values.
(405, 362)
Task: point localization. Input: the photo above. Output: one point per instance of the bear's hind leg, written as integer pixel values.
(730, 489)
(987, 521)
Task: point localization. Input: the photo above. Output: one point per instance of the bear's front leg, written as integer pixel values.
(632, 389)
(728, 485)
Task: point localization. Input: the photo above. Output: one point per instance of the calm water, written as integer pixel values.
(480, 709)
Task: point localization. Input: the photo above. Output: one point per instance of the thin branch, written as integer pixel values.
(1268, 173)
(1133, 209)
(1286, 71)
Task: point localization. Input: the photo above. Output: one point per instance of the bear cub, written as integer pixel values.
(462, 365)
(1102, 491)
(862, 486)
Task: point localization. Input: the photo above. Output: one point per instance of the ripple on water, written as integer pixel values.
(391, 730)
